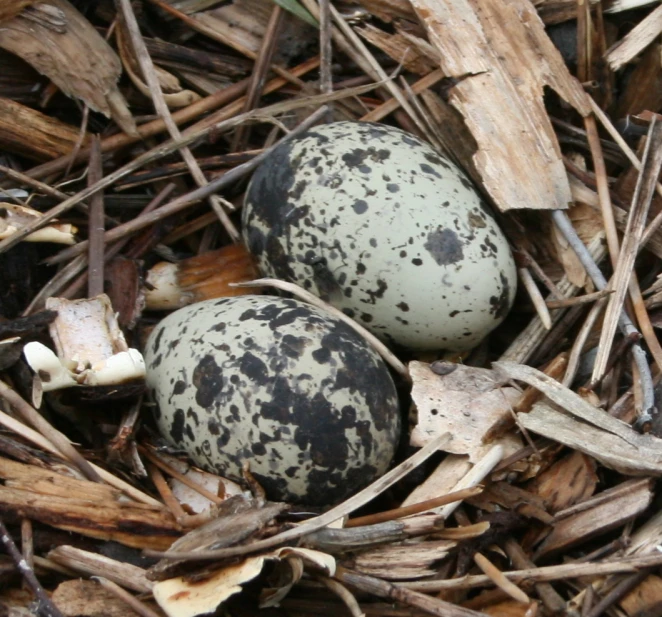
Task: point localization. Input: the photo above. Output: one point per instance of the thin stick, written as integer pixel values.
(260, 69)
(79, 141)
(40, 441)
(619, 591)
(528, 340)
(326, 50)
(580, 341)
(149, 73)
(498, 578)
(543, 574)
(301, 293)
(46, 606)
(602, 185)
(166, 494)
(383, 589)
(319, 522)
(230, 97)
(391, 105)
(536, 297)
(139, 607)
(633, 233)
(116, 247)
(646, 380)
(417, 508)
(201, 27)
(171, 471)
(585, 299)
(343, 593)
(376, 69)
(95, 254)
(27, 542)
(475, 476)
(553, 602)
(636, 163)
(58, 439)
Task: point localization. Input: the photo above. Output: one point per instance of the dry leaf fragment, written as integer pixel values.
(181, 598)
(502, 59)
(569, 480)
(14, 217)
(91, 349)
(73, 55)
(466, 402)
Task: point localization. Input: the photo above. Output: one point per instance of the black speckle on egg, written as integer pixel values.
(500, 304)
(157, 340)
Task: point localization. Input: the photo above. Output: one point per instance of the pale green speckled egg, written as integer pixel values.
(376, 222)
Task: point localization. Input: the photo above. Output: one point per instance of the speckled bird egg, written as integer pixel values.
(279, 384)
(379, 224)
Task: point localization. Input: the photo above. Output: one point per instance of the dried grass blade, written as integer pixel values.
(633, 234)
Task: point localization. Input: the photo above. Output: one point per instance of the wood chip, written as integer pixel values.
(518, 156)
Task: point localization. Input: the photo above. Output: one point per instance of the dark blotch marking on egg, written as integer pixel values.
(444, 246)
(322, 355)
(376, 294)
(177, 426)
(293, 346)
(360, 206)
(466, 184)
(258, 449)
(477, 221)
(499, 305)
(403, 306)
(429, 170)
(157, 341)
(417, 262)
(180, 386)
(190, 414)
(392, 188)
(207, 380)
(254, 368)
(358, 156)
(436, 160)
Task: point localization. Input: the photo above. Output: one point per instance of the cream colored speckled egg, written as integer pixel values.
(373, 220)
(278, 384)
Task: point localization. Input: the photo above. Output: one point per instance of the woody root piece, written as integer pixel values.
(91, 349)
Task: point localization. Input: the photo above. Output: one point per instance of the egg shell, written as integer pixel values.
(279, 384)
(374, 221)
